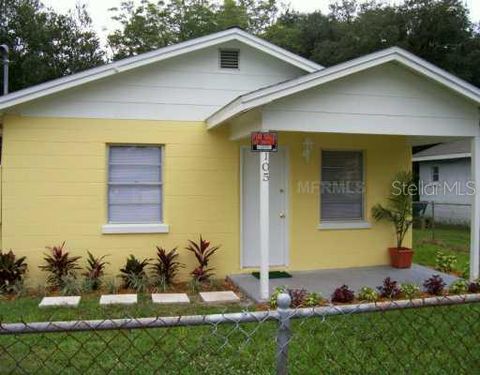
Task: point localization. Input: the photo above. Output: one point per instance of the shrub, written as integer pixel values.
(458, 287)
(134, 274)
(95, 270)
(59, 264)
(313, 299)
(409, 290)
(343, 295)
(434, 285)
(389, 289)
(70, 286)
(12, 271)
(445, 263)
(474, 287)
(275, 294)
(203, 252)
(298, 297)
(368, 294)
(166, 266)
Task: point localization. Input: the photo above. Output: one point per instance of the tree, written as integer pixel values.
(152, 25)
(45, 45)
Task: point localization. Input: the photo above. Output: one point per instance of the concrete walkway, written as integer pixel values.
(325, 281)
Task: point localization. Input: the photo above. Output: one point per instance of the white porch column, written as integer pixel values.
(475, 210)
(264, 224)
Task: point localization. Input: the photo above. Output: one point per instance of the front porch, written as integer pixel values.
(326, 281)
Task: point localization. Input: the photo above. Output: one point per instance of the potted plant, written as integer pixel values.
(398, 211)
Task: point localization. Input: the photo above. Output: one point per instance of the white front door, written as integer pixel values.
(278, 249)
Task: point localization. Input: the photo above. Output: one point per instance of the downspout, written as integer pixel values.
(4, 49)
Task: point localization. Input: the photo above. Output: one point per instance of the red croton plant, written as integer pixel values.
(203, 252)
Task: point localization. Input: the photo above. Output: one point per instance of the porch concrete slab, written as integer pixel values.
(70, 301)
(170, 298)
(326, 281)
(118, 299)
(213, 297)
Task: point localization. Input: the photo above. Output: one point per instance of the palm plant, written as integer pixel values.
(166, 266)
(95, 270)
(60, 265)
(12, 271)
(203, 252)
(398, 210)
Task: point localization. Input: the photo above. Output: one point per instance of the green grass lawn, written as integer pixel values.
(450, 240)
(424, 341)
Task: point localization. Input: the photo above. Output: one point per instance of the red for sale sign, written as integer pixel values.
(264, 141)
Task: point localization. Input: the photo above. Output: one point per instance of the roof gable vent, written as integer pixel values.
(229, 58)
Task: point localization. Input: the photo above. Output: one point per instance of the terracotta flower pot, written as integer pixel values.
(400, 257)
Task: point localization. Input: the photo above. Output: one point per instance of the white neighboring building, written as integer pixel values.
(444, 175)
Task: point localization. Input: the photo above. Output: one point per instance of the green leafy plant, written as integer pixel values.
(444, 262)
(70, 286)
(166, 266)
(313, 299)
(59, 264)
(12, 272)
(134, 275)
(111, 286)
(368, 294)
(95, 271)
(409, 290)
(398, 210)
(434, 285)
(203, 252)
(275, 294)
(459, 287)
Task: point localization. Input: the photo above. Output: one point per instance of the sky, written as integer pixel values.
(98, 10)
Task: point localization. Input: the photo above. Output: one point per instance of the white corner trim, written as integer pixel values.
(135, 228)
(360, 224)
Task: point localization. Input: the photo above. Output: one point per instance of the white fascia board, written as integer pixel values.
(395, 54)
(77, 79)
(442, 157)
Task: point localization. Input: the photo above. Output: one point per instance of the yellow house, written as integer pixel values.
(155, 150)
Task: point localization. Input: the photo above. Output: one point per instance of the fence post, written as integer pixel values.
(284, 333)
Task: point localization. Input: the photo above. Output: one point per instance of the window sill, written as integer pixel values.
(361, 224)
(135, 228)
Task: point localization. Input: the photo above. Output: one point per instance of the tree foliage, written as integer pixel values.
(45, 45)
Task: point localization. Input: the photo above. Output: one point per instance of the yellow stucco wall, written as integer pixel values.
(54, 188)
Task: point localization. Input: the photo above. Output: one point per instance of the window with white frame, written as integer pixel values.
(135, 184)
(342, 186)
(435, 174)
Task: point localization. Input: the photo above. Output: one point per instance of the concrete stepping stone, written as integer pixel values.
(170, 298)
(212, 297)
(118, 299)
(64, 301)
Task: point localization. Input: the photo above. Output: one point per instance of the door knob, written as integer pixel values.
(282, 215)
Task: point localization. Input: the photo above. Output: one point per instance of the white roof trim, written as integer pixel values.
(107, 70)
(442, 157)
(266, 95)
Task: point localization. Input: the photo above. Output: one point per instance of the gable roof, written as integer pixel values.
(444, 151)
(60, 84)
(265, 95)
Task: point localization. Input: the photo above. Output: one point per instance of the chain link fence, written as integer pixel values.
(421, 336)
